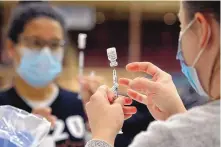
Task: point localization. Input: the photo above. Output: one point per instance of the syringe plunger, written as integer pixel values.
(82, 41)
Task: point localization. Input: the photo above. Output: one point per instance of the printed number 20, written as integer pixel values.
(75, 125)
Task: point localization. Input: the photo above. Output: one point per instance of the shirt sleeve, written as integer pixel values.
(183, 130)
(158, 134)
(155, 136)
(97, 143)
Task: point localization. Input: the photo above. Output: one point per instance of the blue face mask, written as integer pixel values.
(189, 71)
(39, 68)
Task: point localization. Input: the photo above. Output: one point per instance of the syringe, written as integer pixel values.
(81, 45)
(112, 57)
(115, 83)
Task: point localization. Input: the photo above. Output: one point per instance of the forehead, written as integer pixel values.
(44, 28)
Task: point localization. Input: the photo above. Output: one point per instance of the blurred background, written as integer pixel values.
(140, 31)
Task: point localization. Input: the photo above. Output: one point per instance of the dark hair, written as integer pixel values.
(193, 7)
(25, 12)
(31, 2)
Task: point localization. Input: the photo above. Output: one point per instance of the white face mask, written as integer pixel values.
(189, 71)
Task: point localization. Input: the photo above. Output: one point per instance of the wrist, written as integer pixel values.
(106, 136)
(179, 109)
(182, 109)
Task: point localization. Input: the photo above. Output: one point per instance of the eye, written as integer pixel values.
(34, 42)
(38, 43)
(54, 44)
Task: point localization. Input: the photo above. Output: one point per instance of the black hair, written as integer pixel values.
(31, 2)
(27, 11)
(193, 7)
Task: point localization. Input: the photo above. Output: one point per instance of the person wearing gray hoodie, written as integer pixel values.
(175, 126)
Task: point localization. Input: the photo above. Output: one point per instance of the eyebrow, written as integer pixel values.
(39, 38)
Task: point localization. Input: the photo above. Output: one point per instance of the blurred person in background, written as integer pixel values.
(59, 106)
(36, 42)
(199, 55)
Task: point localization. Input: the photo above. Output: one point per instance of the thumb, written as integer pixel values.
(100, 96)
(93, 85)
(120, 100)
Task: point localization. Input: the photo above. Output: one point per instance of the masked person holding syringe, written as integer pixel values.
(199, 56)
(36, 43)
(142, 118)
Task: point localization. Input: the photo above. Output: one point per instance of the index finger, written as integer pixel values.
(146, 67)
(124, 81)
(101, 95)
(103, 90)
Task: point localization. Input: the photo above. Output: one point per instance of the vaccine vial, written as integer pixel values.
(112, 56)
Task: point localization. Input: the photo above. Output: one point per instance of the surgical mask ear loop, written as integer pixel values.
(183, 32)
(188, 26)
(202, 50)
